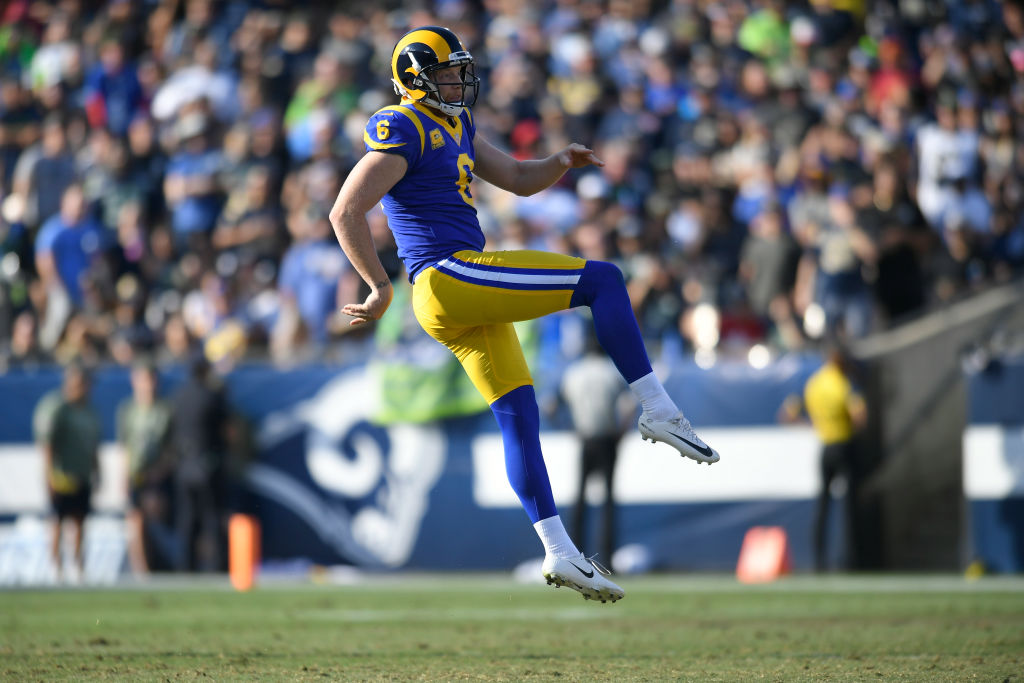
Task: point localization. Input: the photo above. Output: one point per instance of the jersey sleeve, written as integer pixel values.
(47, 235)
(121, 422)
(288, 278)
(392, 131)
(42, 417)
(855, 403)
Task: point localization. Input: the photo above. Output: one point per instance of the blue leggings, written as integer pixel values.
(519, 420)
(602, 288)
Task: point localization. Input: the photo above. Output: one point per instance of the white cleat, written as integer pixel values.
(677, 433)
(581, 574)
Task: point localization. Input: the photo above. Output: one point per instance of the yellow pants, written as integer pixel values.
(469, 301)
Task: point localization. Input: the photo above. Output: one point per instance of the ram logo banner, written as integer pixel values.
(363, 490)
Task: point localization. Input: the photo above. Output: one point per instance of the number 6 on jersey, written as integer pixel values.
(465, 177)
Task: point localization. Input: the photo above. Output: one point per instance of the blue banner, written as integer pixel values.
(331, 485)
(994, 465)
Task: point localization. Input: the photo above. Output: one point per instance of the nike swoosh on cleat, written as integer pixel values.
(585, 573)
(703, 450)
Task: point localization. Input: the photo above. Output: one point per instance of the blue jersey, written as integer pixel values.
(430, 210)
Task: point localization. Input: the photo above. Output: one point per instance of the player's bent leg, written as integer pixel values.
(491, 355)
(602, 288)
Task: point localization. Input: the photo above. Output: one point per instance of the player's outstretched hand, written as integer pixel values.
(578, 156)
(372, 308)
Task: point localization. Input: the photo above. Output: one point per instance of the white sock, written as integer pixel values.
(653, 398)
(556, 541)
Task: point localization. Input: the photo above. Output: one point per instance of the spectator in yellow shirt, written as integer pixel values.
(837, 412)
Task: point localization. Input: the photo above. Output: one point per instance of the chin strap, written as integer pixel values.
(444, 108)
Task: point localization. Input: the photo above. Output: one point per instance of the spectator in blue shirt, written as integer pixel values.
(113, 94)
(311, 271)
(54, 172)
(69, 244)
(191, 187)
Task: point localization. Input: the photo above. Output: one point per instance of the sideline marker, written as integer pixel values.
(243, 550)
(764, 555)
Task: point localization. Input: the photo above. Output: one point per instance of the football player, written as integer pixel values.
(422, 157)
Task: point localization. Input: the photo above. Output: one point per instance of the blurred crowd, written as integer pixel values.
(776, 172)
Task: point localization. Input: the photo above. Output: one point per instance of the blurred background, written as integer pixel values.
(781, 179)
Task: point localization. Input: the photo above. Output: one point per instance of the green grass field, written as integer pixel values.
(451, 627)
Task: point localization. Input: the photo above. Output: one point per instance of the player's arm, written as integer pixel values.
(369, 181)
(858, 409)
(121, 437)
(46, 445)
(47, 450)
(791, 409)
(94, 474)
(527, 177)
